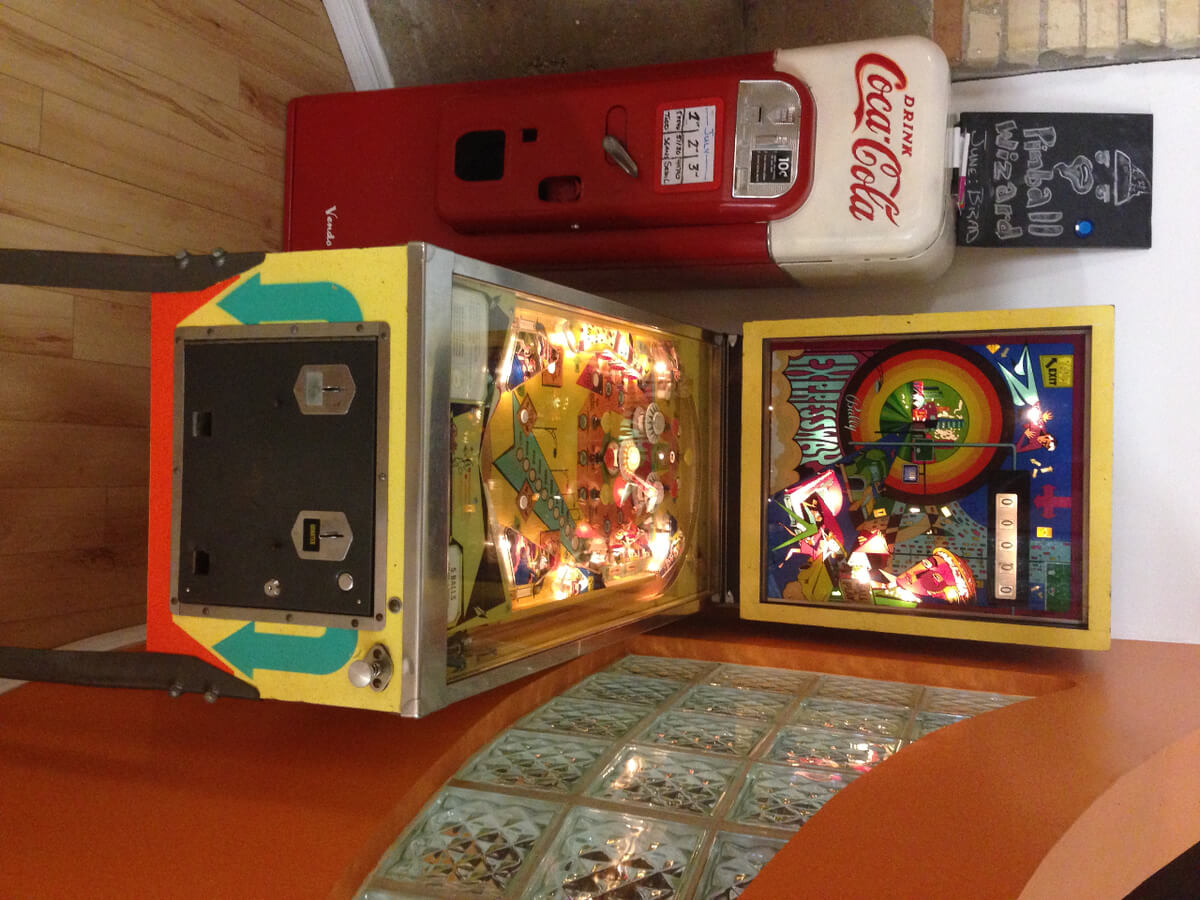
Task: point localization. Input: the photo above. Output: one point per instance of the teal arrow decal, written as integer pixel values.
(253, 302)
(247, 650)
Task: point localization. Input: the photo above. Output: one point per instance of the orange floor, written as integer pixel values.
(1084, 791)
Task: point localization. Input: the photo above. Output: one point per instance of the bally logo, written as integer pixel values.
(887, 121)
(330, 215)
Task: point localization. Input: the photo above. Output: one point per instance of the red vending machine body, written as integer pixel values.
(689, 165)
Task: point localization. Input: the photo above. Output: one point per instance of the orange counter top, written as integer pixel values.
(1084, 791)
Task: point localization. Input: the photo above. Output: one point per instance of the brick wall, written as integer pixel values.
(1002, 36)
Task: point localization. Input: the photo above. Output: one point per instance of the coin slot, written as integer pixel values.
(560, 189)
(200, 562)
(202, 423)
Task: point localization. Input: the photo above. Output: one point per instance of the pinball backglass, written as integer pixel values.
(943, 474)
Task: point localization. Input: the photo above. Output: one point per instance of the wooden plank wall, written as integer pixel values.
(125, 126)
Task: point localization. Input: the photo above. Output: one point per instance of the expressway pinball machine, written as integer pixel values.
(944, 474)
(393, 478)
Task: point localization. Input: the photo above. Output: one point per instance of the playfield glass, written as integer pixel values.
(577, 455)
(942, 475)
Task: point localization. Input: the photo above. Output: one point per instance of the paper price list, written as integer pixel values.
(688, 145)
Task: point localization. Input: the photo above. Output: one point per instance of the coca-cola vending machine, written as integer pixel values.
(805, 164)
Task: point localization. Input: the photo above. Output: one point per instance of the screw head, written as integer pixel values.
(210, 696)
(272, 588)
(394, 605)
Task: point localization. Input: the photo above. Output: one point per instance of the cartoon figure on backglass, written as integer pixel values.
(923, 474)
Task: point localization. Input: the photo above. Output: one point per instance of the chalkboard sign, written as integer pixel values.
(1056, 180)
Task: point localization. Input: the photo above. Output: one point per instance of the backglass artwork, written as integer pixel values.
(941, 474)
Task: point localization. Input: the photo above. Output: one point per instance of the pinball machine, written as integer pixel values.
(392, 478)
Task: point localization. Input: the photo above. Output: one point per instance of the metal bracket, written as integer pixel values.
(171, 672)
(117, 272)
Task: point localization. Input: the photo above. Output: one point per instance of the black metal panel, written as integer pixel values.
(252, 462)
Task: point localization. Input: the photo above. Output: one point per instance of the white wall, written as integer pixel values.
(1156, 292)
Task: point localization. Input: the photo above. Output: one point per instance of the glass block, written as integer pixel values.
(666, 779)
(619, 688)
(785, 797)
(470, 842)
(846, 715)
(570, 715)
(734, 861)
(600, 855)
(551, 762)
(717, 734)
(866, 690)
(731, 701)
(927, 723)
(803, 746)
(785, 681)
(965, 703)
(661, 667)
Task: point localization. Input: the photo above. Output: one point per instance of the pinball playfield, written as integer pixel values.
(574, 464)
(935, 474)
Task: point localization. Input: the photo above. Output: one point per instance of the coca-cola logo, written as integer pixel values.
(886, 117)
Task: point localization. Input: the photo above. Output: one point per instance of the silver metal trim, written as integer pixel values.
(370, 619)
(411, 651)
(751, 132)
(424, 681)
(519, 668)
(557, 293)
(721, 513)
(427, 517)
